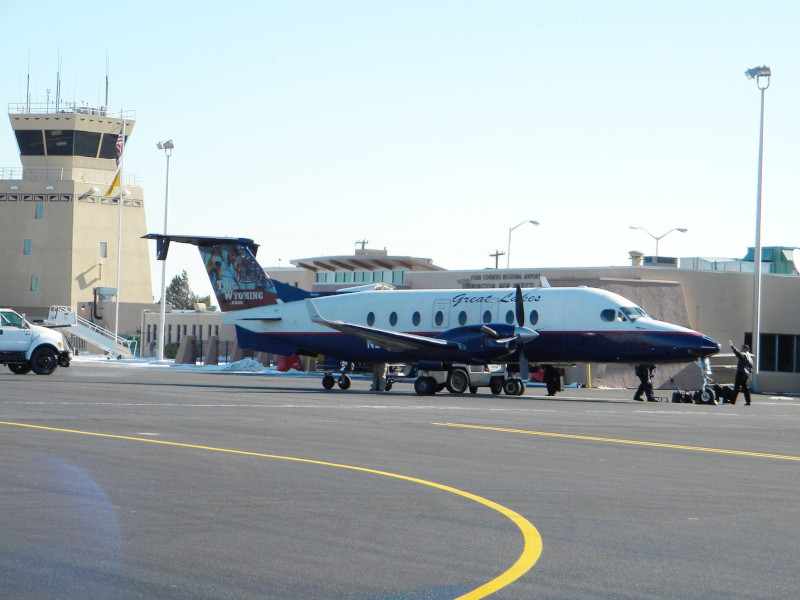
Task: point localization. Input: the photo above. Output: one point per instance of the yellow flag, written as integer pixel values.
(114, 184)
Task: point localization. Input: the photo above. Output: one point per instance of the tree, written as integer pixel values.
(181, 296)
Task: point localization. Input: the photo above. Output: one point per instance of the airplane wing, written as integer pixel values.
(394, 341)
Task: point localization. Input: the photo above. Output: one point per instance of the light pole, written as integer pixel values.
(762, 76)
(658, 237)
(508, 253)
(162, 317)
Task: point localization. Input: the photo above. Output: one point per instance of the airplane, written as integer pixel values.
(435, 330)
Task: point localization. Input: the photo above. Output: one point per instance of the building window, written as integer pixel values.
(338, 277)
(216, 330)
(27, 246)
(103, 249)
(397, 277)
(39, 211)
(194, 329)
(768, 351)
(34, 283)
(377, 276)
(786, 344)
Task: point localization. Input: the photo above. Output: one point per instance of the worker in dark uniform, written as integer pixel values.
(645, 374)
(743, 370)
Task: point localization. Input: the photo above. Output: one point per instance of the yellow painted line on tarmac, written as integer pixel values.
(532, 547)
(592, 438)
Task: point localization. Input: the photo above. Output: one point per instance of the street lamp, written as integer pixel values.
(762, 77)
(167, 148)
(658, 237)
(508, 253)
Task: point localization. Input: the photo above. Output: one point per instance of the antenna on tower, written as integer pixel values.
(362, 242)
(28, 86)
(106, 103)
(58, 80)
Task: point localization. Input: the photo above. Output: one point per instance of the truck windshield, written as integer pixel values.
(634, 312)
(11, 318)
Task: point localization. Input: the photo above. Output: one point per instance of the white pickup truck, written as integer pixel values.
(25, 347)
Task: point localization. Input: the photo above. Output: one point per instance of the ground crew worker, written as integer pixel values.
(645, 374)
(743, 369)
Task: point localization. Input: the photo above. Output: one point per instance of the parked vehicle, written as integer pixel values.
(25, 347)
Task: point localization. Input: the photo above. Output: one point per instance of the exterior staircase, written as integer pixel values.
(66, 318)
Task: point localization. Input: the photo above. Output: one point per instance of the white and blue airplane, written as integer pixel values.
(434, 329)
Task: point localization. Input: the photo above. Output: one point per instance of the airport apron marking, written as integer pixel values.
(532, 546)
(618, 441)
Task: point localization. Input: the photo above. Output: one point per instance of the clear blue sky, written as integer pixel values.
(431, 128)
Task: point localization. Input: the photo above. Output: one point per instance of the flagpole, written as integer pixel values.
(119, 232)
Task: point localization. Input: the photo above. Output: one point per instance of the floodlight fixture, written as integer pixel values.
(756, 72)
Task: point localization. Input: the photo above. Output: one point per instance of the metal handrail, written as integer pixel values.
(43, 108)
(65, 174)
(66, 314)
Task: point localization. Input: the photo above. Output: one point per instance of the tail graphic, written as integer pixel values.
(238, 280)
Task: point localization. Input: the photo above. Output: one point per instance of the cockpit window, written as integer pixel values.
(608, 314)
(634, 312)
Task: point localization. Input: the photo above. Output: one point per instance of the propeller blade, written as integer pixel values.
(489, 332)
(524, 367)
(520, 304)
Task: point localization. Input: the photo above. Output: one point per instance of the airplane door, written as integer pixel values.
(441, 314)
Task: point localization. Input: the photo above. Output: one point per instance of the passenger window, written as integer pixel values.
(439, 318)
(510, 317)
(415, 319)
(371, 319)
(608, 315)
(462, 318)
(393, 319)
(487, 316)
(534, 317)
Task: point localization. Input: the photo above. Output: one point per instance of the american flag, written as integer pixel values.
(120, 143)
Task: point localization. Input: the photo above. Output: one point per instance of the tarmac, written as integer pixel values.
(132, 480)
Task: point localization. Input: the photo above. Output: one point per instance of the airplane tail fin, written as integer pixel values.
(238, 280)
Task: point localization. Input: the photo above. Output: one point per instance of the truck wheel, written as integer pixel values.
(457, 381)
(496, 385)
(19, 369)
(44, 361)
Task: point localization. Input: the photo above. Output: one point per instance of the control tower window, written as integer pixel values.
(86, 143)
(108, 147)
(30, 141)
(59, 142)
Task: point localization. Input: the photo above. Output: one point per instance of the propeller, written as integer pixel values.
(524, 367)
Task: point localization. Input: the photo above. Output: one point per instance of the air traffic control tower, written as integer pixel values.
(60, 221)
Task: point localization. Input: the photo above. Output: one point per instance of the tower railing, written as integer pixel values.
(44, 108)
(65, 174)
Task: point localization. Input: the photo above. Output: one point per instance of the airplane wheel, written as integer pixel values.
(328, 381)
(344, 382)
(511, 387)
(473, 389)
(496, 385)
(425, 386)
(521, 389)
(388, 386)
(457, 381)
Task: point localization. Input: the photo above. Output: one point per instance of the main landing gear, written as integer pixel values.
(329, 380)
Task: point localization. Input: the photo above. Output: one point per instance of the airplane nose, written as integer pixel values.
(708, 346)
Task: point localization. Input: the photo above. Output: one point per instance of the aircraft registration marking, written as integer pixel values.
(532, 541)
(621, 441)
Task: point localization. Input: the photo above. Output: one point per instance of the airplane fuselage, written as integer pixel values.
(575, 325)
